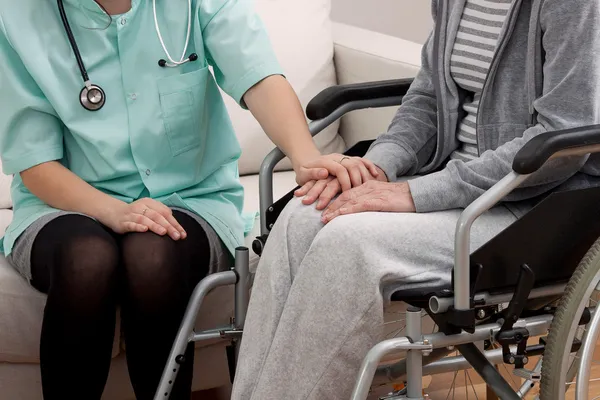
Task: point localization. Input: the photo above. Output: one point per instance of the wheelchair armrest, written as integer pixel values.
(330, 99)
(566, 142)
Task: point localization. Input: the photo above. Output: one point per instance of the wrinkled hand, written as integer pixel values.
(349, 171)
(143, 215)
(325, 190)
(372, 196)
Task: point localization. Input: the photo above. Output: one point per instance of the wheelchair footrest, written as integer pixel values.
(527, 374)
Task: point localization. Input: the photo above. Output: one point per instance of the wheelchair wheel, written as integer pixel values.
(565, 373)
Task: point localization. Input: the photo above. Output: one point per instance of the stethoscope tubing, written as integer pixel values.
(65, 20)
(182, 60)
(92, 97)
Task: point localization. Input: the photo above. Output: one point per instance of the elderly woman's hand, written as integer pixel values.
(372, 196)
(325, 190)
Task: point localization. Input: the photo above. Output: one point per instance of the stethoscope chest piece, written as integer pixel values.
(92, 97)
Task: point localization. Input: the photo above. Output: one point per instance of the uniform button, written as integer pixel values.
(148, 172)
(123, 21)
(133, 96)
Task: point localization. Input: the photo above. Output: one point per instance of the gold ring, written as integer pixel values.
(344, 158)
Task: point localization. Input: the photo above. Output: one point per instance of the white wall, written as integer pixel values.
(408, 19)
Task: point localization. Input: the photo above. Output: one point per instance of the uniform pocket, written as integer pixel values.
(182, 100)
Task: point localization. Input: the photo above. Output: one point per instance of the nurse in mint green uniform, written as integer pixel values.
(126, 193)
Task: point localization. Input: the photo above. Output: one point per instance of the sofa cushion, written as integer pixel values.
(21, 312)
(301, 35)
(363, 56)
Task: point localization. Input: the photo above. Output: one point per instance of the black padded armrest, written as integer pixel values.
(326, 102)
(541, 148)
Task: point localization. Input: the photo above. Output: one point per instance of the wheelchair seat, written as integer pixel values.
(551, 239)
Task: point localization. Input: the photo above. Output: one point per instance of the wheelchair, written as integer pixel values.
(539, 279)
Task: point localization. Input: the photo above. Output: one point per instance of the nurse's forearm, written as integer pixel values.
(62, 189)
(276, 107)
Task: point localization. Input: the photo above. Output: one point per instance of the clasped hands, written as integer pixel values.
(363, 185)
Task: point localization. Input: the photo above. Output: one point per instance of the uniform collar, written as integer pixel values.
(90, 11)
(92, 6)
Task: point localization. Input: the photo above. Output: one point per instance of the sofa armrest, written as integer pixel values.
(365, 56)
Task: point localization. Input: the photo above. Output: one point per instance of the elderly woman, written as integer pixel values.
(495, 73)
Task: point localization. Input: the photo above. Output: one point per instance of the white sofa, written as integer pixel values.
(316, 54)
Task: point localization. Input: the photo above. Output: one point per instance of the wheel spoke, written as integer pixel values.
(392, 322)
(452, 386)
(393, 334)
(473, 386)
(574, 382)
(466, 387)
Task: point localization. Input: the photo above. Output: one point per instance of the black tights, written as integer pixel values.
(87, 271)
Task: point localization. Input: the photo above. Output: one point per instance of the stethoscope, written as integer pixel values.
(92, 97)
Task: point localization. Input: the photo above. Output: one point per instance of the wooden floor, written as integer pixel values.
(468, 385)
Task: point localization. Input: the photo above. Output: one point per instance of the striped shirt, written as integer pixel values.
(479, 30)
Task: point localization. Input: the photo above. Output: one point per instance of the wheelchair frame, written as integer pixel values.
(423, 351)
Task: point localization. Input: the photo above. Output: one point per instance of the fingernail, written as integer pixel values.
(183, 234)
(177, 235)
(162, 231)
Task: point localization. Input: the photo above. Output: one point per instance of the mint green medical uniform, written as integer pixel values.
(163, 133)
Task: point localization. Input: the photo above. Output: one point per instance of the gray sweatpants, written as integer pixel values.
(318, 297)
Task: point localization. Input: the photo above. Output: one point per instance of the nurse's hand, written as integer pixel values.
(142, 216)
(325, 190)
(349, 171)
